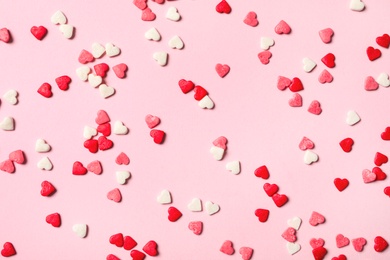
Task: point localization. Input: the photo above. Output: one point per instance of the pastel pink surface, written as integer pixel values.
(250, 91)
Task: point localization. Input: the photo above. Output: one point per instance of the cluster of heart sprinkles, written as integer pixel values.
(97, 138)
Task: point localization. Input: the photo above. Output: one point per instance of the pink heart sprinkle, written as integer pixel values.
(283, 83)
(196, 227)
(246, 252)
(148, 15)
(325, 77)
(314, 243)
(227, 247)
(220, 142)
(120, 70)
(315, 107)
(152, 121)
(306, 143)
(102, 117)
(359, 243)
(222, 69)
(251, 19)
(289, 234)
(95, 167)
(326, 35)
(341, 241)
(370, 84)
(264, 57)
(282, 28)
(295, 101)
(316, 218)
(368, 176)
(114, 195)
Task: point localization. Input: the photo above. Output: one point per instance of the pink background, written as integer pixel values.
(261, 128)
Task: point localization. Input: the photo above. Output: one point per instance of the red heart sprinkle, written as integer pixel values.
(92, 145)
(295, 101)
(104, 129)
(326, 35)
(387, 191)
(319, 253)
(346, 144)
(186, 86)
(47, 189)
(220, 142)
(341, 184)
(8, 249)
(137, 255)
(199, 93)
(314, 243)
(359, 243)
(373, 54)
(79, 169)
(383, 40)
(101, 69)
(120, 70)
(158, 136)
(262, 172)
(95, 167)
(223, 7)
(38, 32)
(129, 243)
(5, 35)
(370, 84)
(7, 166)
(112, 257)
(386, 134)
(174, 214)
(315, 107)
(17, 157)
(340, 257)
(114, 195)
(227, 248)
(102, 117)
(196, 227)
(380, 244)
(296, 85)
(151, 248)
(117, 240)
(54, 219)
(122, 158)
(262, 214)
(328, 60)
(264, 57)
(104, 143)
(283, 83)
(141, 4)
(279, 199)
(289, 234)
(251, 19)
(148, 15)
(325, 77)
(305, 144)
(341, 241)
(316, 218)
(45, 90)
(63, 82)
(282, 28)
(85, 57)
(380, 175)
(152, 121)
(222, 69)
(380, 159)
(270, 189)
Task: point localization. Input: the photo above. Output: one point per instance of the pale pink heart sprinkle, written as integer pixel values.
(326, 35)
(341, 241)
(283, 83)
(368, 176)
(325, 77)
(295, 101)
(306, 143)
(316, 218)
(114, 195)
(289, 234)
(152, 121)
(246, 252)
(370, 84)
(314, 243)
(95, 167)
(251, 19)
(196, 227)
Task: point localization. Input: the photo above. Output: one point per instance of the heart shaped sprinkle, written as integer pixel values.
(380, 175)
(58, 18)
(341, 184)
(368, 176)
(38, 32)
(220, 142)
(106, 91)
(289, 234)
(326, 35)
(356, 5)
(380, 159)
(67, 30)
(63, 82)
(234, 167)
(114, 195)
(195, 205)
(141, 4)
(117, 239)
(264, 57)
(262, 214)
(325, 77)
(7, 166)
(227, 247)
(45, 90)
(8, 249)
(176, 43)
(122, 176)
(370, 84)
(270, 189)
(206, 102)
(45, 164)
(152, 34)
(92, 145)
(316, 218)
(296, 85)
(310, 157)
(383, 40)
(251, 19)
(172, 14)
(279, 199)
(102, 117)
(186, 86)
(246, 252)
(222, 69)
(308, 64)
(54, 219)
(161, 58)
(150, 248)
(158, 136)
(373, 53)
(314, 243)
(380, 244)
(346, 144)
(211, 207)
(112, 50)
(341, 241)
(266, 43)
(282, 28)
(122, 159)
(120, 70)
(383, 80)
(80, 230)
(79, 169)
(41, 146)
(196, 227)
(283, 83)
(294, 222)
(120, 128)
(137, 255)
(17, 157)
(47, 189)
(359, 243)
(101, 69)
(11, 96)
(174, 214)
(85, 57)
(129, 243)
(164, 197)
(293, 248)
(148, 15)
(315, 107)
(97, 50)
(352, 118)
(319, 253)
(386, 190)
(295, 101)
(328, 60)
(83, 72)
(262, 172)
(305, 144)
(223, 7)
(340, 257)
(104, 143)
(152, 121)
(217, 152)
(89, 132)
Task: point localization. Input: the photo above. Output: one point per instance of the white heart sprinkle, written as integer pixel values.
(97, 50)
(11, 96)
(89, 132)
(308, 64)
(94, 80)
(172, 14)
(164, 197)
(294, 222)
(356, 5)
(211, 208)
(80, 230)
(206, 102)
(293, 248)
(120, 128)
(106, 91)
(83, 72)
(152, 34)
(122, 176)
(58, 18)
(217, 152)
(7, 124)
(233, 167)
(352, 118)
(161, 58)
(195, 205)
(383, 80)
(45, 164)
(41, 146)
(67, 30)
(266, 43)
(310, 157)
(176, 43)
(112, 50)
